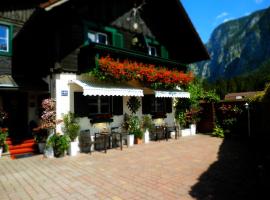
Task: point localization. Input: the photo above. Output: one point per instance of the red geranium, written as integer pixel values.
(127, 70)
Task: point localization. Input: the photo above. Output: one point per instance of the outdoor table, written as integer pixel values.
(108, 136)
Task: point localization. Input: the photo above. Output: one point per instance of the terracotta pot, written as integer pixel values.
(138, 141)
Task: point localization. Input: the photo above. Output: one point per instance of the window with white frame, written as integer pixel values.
(97, 37)
(152, 51)
(4, 38)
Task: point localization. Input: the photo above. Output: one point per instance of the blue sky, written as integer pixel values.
(206, 15)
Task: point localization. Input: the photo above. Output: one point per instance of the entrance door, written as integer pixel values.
(15, 103)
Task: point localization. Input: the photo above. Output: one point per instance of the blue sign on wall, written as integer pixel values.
(64, 93)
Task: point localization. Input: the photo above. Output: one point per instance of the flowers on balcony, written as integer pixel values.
(127, 70)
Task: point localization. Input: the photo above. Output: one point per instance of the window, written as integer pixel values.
(94, 105)
(5, 39)
(98, 105)
(157, 105)
(152, 105)
(97, 37)
(152, 51)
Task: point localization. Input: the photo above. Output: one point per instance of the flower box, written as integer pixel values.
(101, 118)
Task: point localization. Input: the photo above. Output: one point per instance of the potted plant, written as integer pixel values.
(59, 143)
(48, 122)
(71, 128)
(40, 136)
(125, 126)
(134, 129)
(3, 138)
(181, 119)
(192, 117)
(147, 125)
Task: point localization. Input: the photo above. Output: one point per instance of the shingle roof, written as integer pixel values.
(240, 95)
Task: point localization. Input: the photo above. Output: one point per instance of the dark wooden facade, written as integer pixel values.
(54, 38)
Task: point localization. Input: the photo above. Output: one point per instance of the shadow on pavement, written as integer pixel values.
(241, 172)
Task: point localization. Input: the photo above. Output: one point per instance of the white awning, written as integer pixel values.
(7, 82)
(172, 94)
(102, 89)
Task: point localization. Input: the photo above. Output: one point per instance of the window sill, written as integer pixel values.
(93, 121)
(159, 115)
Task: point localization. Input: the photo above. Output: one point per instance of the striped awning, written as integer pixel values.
(172, 94)
(106, 89)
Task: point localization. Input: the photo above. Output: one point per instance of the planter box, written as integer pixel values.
(73, 148)
(41, 147)
(185, 132)
(49, 153)
(192, 129)
(130, 140)
(146, 137)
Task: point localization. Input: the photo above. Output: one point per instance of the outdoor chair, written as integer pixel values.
(158, 133)
(86, 141)
(174, 129)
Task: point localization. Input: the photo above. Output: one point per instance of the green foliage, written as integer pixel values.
(138, 133)
(147, 123)
(3, 138)
(227, 116)
(218, 132)
(181, 119)
(133, 104)
(71, 127)
(134, 126)
(125, 124)
(255, 80)
(59, 143)
(40, 136)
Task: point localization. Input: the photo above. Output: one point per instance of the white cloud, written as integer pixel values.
(222, 15)
(258, 1)
(227, 19)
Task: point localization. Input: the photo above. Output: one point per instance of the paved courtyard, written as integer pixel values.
(159, 170)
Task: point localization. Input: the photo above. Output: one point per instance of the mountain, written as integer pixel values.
(237, 47)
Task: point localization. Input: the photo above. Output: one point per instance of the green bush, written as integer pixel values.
(218, 131)
(71, 127)
(59, 143)
(147, 123)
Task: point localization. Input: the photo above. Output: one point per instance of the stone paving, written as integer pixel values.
(158, 170)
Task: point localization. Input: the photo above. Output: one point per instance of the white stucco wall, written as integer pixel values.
(65, 103)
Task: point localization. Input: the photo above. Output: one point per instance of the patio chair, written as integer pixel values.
(86, 141)
(159, 132)
(174, 129)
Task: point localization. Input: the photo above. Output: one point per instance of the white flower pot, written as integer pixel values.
(130, 140)
(185, 132)
(192, 129)
(1, 151)
(73, 148)
(48, 152)
(41, 147)
(146, 137)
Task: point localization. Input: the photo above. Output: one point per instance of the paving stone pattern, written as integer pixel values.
(158, 170)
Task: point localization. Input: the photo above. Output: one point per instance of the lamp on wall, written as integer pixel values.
(248, 113)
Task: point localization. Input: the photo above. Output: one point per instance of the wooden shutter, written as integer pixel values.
(168, 105)
(146, 104)
(117, 105)
(164, 52)
(118, 40)
(80, 104)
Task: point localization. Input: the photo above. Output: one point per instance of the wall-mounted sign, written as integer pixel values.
(64, 93)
